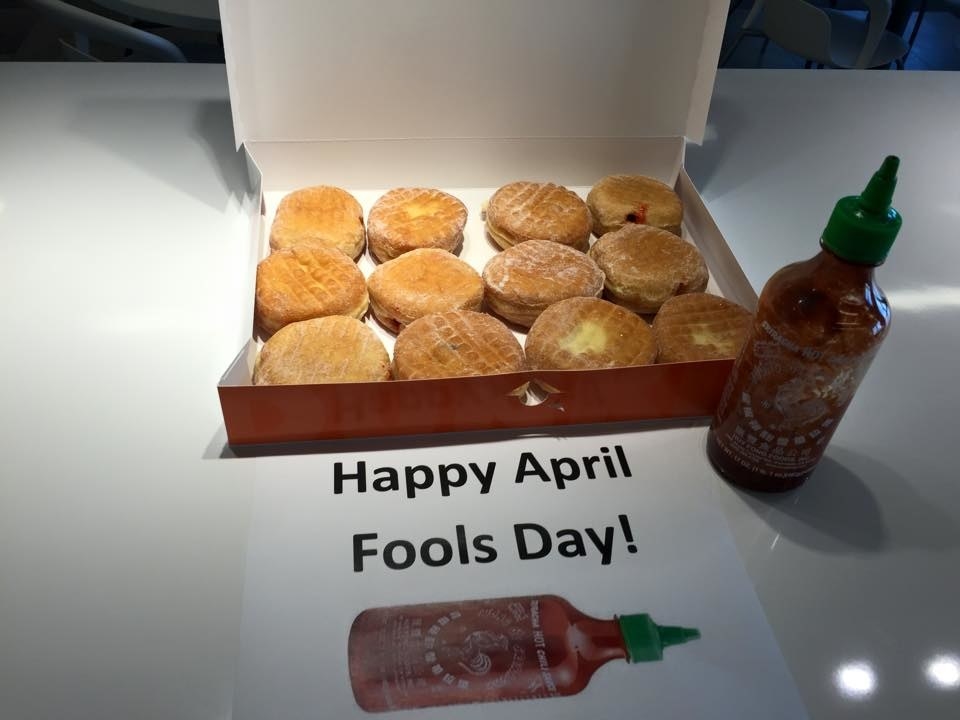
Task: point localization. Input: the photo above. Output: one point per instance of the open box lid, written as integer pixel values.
(397, 69)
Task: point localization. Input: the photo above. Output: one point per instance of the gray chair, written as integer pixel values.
(832, 38)
(85, 25)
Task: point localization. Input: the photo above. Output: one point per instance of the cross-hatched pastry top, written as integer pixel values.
(323, 350)
(588, 333)
(302, 283)
(700, 326)
(456, 344)
(405, 219)
(538, 211)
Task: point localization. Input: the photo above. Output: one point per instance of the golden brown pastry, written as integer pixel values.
(320, 216)
(405, 219)
(523, 280)
(456, 344)
(302, 283)
(421, 282)
(324, 350)
(699, 326)
(619, 200)
(538, 211)
(587, 333)
(645, 266)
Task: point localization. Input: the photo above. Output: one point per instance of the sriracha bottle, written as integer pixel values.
(818, 325)
(513, 648)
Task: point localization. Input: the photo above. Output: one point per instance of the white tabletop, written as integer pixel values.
(122, 531)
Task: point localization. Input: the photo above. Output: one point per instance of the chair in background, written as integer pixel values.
(85, 25)
(833, 38)
(751, 27)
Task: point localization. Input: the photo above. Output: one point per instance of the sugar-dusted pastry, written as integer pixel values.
(645, 266)
(700, 326)
(619, 200)
(421, 282)
(520, 282)
(405, 219)
(456, 344)
(320, 216)
(587, 333)
(538, 211)
(323, 350)
(302, 283)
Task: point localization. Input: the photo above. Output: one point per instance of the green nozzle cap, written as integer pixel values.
(645, 640)
(863, 227)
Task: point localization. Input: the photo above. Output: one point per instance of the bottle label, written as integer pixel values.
(783, 402)
(475, 651)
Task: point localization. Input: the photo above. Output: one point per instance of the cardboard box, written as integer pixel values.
(466, 97)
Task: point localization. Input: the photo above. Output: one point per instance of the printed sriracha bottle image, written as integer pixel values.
(514, 648)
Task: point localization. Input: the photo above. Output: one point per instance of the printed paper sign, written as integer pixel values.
(538, 577)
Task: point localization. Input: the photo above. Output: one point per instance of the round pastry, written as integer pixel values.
(455, 344)
(523, 280)
(321, 216)
(409, 218)
(421, 282)
(538, 211)
(699, 326)
(645, 266)
(619, 200)
(302, 283)
(587, 333)
(324, 350)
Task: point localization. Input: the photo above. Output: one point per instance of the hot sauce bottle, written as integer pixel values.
(513, 648)
(817, 328)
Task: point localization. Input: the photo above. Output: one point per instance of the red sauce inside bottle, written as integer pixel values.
(516, 648)
(818, 326)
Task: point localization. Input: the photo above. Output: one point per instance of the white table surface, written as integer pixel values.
(123, 531)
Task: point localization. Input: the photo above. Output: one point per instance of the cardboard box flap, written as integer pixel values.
(390, 69)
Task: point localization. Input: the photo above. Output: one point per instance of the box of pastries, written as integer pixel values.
(475, 216)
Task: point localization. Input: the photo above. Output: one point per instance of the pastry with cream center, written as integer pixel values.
(406, 219)
(589, 333)
(700, 326)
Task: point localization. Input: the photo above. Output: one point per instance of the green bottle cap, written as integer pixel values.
(863, 227)
(645, 640)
